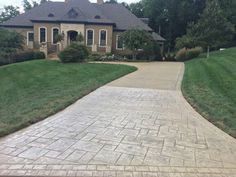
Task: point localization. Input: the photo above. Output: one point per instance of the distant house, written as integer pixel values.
(101, 25)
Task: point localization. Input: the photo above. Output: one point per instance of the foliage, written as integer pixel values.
(135, 39)
(59, 37)
(193, 53)
(27, 5)
(33, 90)
(11, 41)
(74, 53)
(22, 56)
(137, 9)
(80, 38)
(152, 51)
(187, 54)
(8, 13)
(210, 84)
(111, 2)
(169, 17)
(212, 30)
(181, 55)
(39, 55)
(185, 41)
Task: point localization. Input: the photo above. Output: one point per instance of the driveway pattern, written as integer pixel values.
(134, 128)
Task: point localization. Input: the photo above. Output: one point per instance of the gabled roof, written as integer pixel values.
(82, 12)
(122, 17)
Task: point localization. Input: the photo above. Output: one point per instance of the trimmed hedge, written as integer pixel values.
(74, 53)
(21, 56)
(187, 54)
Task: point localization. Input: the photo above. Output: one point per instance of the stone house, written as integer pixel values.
(101, 25)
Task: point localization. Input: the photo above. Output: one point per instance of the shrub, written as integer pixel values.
(39, 55)
(94, 57)
(193, 53)
(21, 56)
(187, 54)
(152, 51)
(181, 54)
(185, 42)
(169, 57)
(74, 53)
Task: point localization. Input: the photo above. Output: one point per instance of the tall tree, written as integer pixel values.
(137, 9)
(8, 13)
(213, 29)
(169, 17)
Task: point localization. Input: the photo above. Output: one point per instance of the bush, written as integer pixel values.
(169, 57)
(185, 42)
(187, 54)
(74, 53)
(39, 55)
(152, 51)
(181, 54)
(194, 52)
(21, 56)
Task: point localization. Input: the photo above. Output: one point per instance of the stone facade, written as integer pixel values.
(64, 28)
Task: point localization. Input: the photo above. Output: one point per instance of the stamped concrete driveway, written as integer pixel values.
(139, 125)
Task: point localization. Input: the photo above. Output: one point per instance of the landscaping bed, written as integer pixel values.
(33, 90)
(210, 86)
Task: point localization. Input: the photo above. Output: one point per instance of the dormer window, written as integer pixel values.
(72, 13)
(50, 15)
(97, 17)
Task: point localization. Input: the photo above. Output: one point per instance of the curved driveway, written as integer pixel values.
(139, 125)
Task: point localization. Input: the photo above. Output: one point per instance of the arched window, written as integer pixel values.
(103, 38)
(90, 37)
(55, 33)
(42, 34)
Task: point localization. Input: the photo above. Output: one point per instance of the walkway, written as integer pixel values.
(139, 125)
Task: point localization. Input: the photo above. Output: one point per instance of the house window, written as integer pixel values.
(55, 33)
(42, 35)
(89, 37)
(103, 38)
(30, 37)
(119, 43)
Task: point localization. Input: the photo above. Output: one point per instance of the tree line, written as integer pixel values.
(183, 23)
(188, 23)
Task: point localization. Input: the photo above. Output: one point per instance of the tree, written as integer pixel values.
(27, 5)
(137, 9)
(111, 2)
(169, 18)
(135, 39)
(43, 1)
(8, 13)
(212, 30)
(11, 41)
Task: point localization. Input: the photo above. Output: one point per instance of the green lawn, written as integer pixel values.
(31, 91)
(210, 86)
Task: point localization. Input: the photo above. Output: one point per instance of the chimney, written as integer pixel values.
(100, 1)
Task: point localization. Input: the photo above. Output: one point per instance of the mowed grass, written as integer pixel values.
(31, 91)
(210, 86)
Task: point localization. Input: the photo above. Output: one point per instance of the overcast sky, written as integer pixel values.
(19, 2)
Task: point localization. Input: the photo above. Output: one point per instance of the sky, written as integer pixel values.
(19, 2)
